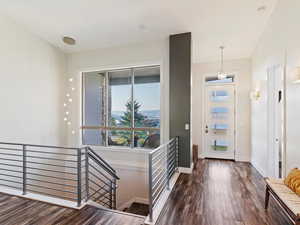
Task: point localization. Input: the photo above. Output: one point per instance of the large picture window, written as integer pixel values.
(122, 107)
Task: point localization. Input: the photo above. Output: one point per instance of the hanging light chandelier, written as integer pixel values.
(222, 75)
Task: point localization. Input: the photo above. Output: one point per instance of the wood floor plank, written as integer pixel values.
(220, 192)
(20, 211)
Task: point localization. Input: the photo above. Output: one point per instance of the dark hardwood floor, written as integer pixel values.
(220, 193)
(138, 209)
(20, 211)
(217, 193)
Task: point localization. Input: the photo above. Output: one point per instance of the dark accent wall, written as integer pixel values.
(180, 94)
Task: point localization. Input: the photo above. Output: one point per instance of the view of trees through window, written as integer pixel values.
(132, 108)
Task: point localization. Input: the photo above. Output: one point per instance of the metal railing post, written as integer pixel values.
(111, 194)
(87, 187)
(24, 170)
(150, 189)
(114, 194)
(78, 177)
(177, 151)
(167, 167)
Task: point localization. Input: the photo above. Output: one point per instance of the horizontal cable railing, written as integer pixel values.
(163, 162)
(73, 174)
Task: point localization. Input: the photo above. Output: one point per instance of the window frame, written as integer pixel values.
(108, 128)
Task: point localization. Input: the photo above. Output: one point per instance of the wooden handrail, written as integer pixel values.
(120, 128)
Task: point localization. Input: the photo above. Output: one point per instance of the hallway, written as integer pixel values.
(220, 193)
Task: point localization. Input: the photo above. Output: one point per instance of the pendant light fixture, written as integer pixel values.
(221, 74)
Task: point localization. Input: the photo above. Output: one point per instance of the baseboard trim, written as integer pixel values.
(42, 198)
(186, 170)
(118, 165)
(258, 168)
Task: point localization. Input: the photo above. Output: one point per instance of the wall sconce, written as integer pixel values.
(298, 76)
(256, 94)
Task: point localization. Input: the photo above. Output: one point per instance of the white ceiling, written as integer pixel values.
(103, 23)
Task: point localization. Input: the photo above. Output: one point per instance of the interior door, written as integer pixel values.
(275, 122)
(219, 130)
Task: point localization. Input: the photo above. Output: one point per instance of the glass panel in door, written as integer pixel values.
(219, 121)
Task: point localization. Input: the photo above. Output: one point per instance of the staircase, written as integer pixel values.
(72, 177)
(60, 175)
(138, 209)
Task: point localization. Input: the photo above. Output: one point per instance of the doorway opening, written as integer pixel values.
(219, 118)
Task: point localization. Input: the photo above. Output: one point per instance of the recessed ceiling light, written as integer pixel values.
(262, 8)
(68, 40)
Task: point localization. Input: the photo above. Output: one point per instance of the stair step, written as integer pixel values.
(138, 209)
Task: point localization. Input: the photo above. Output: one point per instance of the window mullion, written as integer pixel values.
(132, 105)
(106, 106)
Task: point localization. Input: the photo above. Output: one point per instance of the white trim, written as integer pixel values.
(140, 165)
(258, 168)
(120, 149)
(204, 85)
(159, 64)
(162, 201)
(121, 66)
(122, 166)
(42, 198)
(186, 170)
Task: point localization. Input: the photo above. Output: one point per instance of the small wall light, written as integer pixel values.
(256, 94)
(297, 81)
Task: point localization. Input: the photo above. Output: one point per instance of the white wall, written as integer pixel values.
(133, 162)
(31, 84)
(152, 53)
(281, 36)
(242, 70)
(133, 185)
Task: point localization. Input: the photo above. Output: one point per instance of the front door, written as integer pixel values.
(219, 126)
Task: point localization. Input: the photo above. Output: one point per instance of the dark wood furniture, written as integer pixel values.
(283, 196)
(195, 154)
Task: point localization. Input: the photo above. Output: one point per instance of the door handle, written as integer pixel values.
(206, 129)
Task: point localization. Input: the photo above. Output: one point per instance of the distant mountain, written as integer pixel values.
(151, 113)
